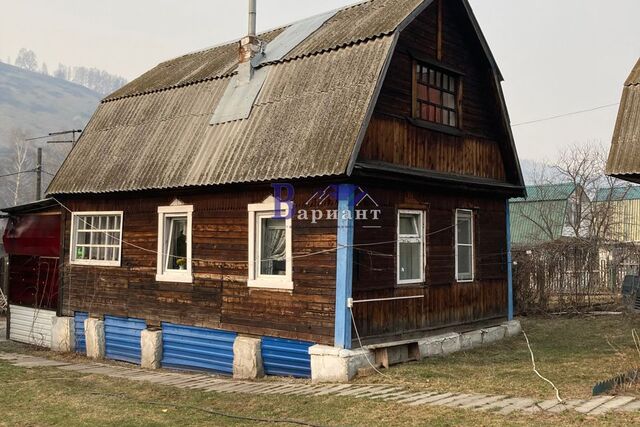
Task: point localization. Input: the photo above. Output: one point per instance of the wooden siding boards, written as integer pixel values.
(480, 148)
(219, 296)
(446, 303)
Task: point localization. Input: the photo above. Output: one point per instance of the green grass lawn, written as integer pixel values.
(573, 352)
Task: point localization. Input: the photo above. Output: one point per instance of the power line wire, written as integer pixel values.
(18, 173)
(559, 116)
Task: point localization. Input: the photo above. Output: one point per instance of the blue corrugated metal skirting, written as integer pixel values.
(122, 338)
(81, 342)
(191, 348)
(288, 358)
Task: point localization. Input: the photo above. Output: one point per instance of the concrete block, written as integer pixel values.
(335, 365)
(495, 334)
(63, 338)
(247, 358)
(94, 335)
(513, 328)
(430, 347)
(471, 340)
(151, 346)
(451, 343)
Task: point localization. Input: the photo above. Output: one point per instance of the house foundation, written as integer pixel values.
(151, 349)
(95, 338)
(247, 358)
(63, 334)
(331, 364)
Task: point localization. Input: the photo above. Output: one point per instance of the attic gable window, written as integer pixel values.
(436, 96)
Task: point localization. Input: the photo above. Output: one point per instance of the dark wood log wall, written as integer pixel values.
(446, 303)
(392, 138)
(219, 296)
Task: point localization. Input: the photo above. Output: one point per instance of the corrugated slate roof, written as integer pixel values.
(547, 192)
(624, 157)
(542, 215)
(307, 120)
(537, 222)
(631, 192)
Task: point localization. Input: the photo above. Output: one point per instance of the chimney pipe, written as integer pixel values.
(249, 47)
(252, 17)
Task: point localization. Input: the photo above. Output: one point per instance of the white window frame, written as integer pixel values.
(175, 276)
(257, 280)
(411, 239)
(471, 245)
(74, 230)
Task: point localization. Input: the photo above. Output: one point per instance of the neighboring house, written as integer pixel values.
(624, 156)
(387, 121)
(622, 205)
(548, 213)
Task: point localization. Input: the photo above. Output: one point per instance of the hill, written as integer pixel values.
(33, 104)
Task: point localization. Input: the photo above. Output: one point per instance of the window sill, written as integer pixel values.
(92, 263)
(465, 280)
(410, 282)
(275, 284)
(435, 127)
(175, 277)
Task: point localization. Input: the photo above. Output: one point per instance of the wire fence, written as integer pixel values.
(570, 276)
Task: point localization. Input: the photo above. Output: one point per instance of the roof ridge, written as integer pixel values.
(280, 61)
(265, 32)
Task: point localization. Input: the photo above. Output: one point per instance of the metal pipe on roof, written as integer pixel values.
(252, 17)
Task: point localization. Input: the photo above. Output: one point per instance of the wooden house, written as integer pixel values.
(382, 129)
(624, 156)
(549, 212)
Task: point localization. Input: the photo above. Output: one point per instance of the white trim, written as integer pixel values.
(255, 280)
(74, 231)
(419, 238)
(471, 245)
(174, 276)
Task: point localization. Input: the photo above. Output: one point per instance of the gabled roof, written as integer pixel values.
(617, 194)
(308, 120)
(624, 157)
(540, 217)
(547, 193)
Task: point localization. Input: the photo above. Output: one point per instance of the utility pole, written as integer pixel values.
(39, 175)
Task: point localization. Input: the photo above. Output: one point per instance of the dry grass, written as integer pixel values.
(573, 352)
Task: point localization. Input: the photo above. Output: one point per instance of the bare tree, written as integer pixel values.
(14, 167)
(27, 59)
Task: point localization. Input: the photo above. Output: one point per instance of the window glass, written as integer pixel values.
(176, 244)
(273, 245)
(410, 247)
(464, 245)
(436, 96)
(96, 238)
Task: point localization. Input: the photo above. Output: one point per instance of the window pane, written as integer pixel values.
(177, 243)
(409, 224)
(83, 238)
(434, 96)
(273, 247)
(449, 100)
(82, 252)
(464, 229)
(409, 262)
(423, 92)
(464, 262)
(453, 120)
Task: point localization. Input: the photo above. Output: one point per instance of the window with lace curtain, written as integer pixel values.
(269, 247)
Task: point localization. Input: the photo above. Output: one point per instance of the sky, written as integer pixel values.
(556, 56)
